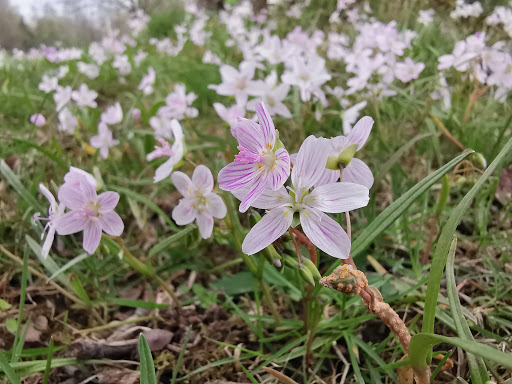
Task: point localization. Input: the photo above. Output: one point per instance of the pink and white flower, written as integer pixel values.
(49, 84)
(408, 70)
(272, 95)
(55, 211)
(146, 84)
(311, 205)
(199, 203)
(175, 153)
(62, 96)
(307, 74)
(179, 104)
(262, 162)
(38, 120)
(85, 97)
(67, 121)
(92, 71)
(112, 115)
(356, 171)
(103, 140)
(89, 212)
(238, 83)
(229, 115)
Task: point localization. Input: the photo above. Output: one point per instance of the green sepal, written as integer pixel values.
(346, 156)
(279, 143)
(296, 220)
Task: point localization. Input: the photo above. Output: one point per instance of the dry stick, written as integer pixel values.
(308, 244)
(297, 250)
(447, 133)
(473, 98)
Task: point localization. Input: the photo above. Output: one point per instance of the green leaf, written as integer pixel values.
(4, 305)
(236, 284)
(69, 264)
(137, 303)
(49, 264)
(11, 325)
(476, 364)
(8, 370)
(180, 358)
(422, 343)
(48, 362)
(397, 208)
(161, 245)
(44, 151)
(443, 245)
(78, 288)
(15, 182)
(147, 368)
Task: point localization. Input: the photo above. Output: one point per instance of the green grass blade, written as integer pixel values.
(49, 264)
(353, 359)
(180, 358)
(48, 362)
(15, 182)
(249, 375)
(399, 206)
(17, 345)
(165, 243)
(147, 368)
(44, 151)
(476, 364)
(445, 239)
(8, 370)
(422, 343)
(137, 303)
(68, 265)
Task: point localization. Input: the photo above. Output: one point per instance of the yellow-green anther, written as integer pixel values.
(306, 275)
(312, 268)
(345, 157)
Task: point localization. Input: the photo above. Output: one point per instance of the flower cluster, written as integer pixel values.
(258, 175)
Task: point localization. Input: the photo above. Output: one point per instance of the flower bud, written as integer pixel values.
(312, 268)
(290, 262)
(306, 275)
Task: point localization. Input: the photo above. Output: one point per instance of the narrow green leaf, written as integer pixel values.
(422, 343)
(443, 197)
(397, 208)
(477, 367)
(78, 288)
(15, 182)
(249, 375)
(8, 370)
(48, 362)
(165, 243)
(49, 264)
(147, 368)
(445, 239)
(44, 151)
(353, 359)
(137, 303)
(180, 358)
(68, 265)
(17, 345)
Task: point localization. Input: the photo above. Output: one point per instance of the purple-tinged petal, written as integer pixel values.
(250, 136)
(112, 224)
(77, 175)
(266, 124)
(216, 206)
(338, 197)
(257, 188)
(310, 162)
(281, 169)
(359, 134)
(92, 236)
(165, 169)
(203, 178)
(205, 224)
(325, 233)
(49, 196)
(328, 176)
(268, 199)
(107, 201)
(71, 222)
(184, 213)
(182, 183)
(88, 191)
(47, 245)
(270, 228)
(71, 196)
(236, 175)
(359, 173)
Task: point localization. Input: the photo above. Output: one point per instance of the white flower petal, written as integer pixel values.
(338, 197)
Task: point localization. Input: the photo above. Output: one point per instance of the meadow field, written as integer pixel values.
(235, 192)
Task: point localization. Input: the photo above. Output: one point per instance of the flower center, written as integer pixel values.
(92, 209)
(241, 83)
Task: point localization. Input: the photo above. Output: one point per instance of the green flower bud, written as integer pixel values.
(312, 268)
(290, 262)
(306, 275)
